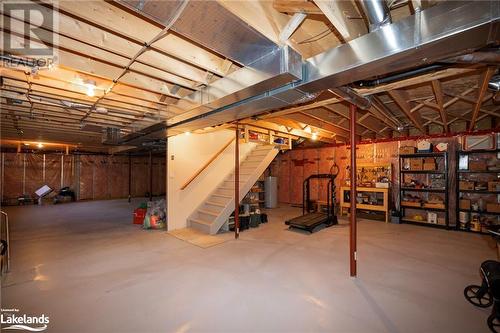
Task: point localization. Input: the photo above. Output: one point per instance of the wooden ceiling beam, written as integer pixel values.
(62, 78)
(106, 70)
(343, 111)
(112, 19)
(336, 11)
(163, 67)
(483, 86)
(296, 6)
(319, 123)
(438, 93)
(265, 124)
(401, 98)
(292, 25)
(290, 126)
(37, 115)
(50, 102)
(57, 95)
(65, 114)
(446, 73)
(319, 117)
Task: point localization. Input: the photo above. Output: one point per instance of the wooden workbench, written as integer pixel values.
(379, 208)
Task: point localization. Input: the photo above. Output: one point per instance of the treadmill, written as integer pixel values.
(310, 219)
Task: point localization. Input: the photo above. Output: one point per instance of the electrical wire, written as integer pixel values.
(316, 37)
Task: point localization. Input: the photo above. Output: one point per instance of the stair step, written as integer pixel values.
(213, 203)
(259, 153)
(208, 212)
(222, 195)
(200, 221)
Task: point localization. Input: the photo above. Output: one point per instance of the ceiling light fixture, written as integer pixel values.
(90, 87)
(40, 145)
(314, 136)
(187, 133)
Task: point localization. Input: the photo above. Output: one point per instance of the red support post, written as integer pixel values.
(352, 227)
(237, 184)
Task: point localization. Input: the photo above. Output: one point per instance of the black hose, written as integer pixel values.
(400, 76)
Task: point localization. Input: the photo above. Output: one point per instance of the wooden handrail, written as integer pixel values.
(197, 173)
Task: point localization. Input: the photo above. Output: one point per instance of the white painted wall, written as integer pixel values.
(190, 153)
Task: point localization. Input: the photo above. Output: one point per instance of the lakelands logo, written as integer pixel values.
(11, 319)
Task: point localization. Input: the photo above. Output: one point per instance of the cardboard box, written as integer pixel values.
(416, 164)
(411, 203)
(466, 185)
(479, 165)
(493, 186)
(430, 166)
(432, 218)
(465, 204)
(424, 146)
(434, 205)
(493, 208)
(407, 150)
(429, 160)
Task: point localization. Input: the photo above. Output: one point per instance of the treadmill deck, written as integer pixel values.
(308, 221)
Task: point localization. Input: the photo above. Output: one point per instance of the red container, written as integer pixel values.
(139, 215)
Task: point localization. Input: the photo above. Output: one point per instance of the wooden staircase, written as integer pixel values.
(211, 215)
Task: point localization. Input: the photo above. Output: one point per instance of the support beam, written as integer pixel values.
(401, 98)
(237, 183)
(438, 94)
(129, 177)
(150, 175)
(291, 26)
(336, 11)
(483, 87)
(296, 6)
(352, 226)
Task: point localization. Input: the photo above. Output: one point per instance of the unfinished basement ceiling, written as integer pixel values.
(102, 43)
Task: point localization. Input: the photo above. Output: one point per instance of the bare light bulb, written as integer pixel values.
(90, 90)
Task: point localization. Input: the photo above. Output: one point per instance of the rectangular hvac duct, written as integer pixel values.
(445, 30)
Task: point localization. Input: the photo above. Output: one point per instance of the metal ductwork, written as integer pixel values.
(267, 66)
(208, 23)
(415, 41)
(377, 12)
(494, 84)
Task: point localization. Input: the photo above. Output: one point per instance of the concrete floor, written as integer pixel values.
(90, 270)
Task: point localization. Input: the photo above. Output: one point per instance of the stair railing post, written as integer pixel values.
(237, 184)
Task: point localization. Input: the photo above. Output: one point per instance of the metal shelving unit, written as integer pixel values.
(461, 176)
(445, 190)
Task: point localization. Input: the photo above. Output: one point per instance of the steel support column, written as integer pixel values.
(129, 177)
(150, 175)
(352, 227)
(237, 184)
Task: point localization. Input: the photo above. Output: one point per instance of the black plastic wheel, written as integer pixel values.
(471, 294)
(493, 323)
